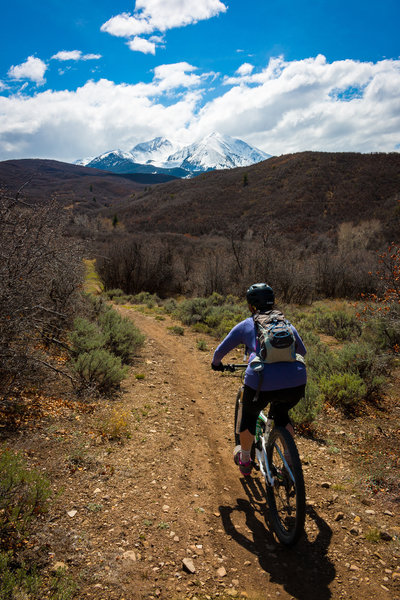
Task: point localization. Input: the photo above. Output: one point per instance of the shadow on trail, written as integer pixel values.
(304, 571)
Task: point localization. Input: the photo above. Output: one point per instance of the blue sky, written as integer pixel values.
(80, 78)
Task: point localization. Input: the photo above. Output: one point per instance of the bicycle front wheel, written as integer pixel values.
(286, 498)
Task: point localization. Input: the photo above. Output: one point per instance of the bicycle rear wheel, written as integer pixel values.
(286, 498)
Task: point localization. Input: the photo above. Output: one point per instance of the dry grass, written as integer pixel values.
(92, 283)
(115, 423)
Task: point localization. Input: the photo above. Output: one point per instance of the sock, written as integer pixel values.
(245, 456)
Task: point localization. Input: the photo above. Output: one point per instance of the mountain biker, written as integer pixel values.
(282, 385)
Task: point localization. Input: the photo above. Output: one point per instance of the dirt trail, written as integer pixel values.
(193, 457)
(172, 492)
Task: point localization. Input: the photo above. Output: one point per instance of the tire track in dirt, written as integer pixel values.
(196, 387)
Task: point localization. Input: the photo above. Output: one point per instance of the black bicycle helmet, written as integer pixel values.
(261, 296)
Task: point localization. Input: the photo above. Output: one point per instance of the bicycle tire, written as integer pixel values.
(286, 499)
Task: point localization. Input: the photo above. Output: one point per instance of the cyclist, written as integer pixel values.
(283, 383)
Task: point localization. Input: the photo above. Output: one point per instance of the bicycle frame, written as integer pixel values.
(262, 457)
(262, 454)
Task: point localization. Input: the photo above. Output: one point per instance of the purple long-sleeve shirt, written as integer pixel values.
(276, 376)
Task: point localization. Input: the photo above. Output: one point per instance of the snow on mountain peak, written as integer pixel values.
(217, 151)
(214, 151)
(154, 151)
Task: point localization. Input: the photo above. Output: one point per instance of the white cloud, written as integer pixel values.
(245, 69)
(124, 25)
(177, 13)
(32, 69)
(91, 56)
(160, 15)
(157, 39)
(289, 106)
(176, 75)
(305, 105)
(96, 117)
(139, 44)
(65, 55)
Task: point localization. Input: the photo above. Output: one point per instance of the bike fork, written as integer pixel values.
(263, 462)
(289, 470)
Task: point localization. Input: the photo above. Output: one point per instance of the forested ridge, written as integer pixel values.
(298, 195)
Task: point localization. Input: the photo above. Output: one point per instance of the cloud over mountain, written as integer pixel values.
(287, 106)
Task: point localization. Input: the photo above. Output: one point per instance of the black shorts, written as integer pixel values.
(281, 402)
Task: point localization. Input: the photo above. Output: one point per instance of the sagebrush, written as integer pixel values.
(102, 348)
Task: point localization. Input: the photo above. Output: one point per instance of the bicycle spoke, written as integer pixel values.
(285, 501)
(286, 498)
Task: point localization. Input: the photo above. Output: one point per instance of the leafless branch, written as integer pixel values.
(42, 362)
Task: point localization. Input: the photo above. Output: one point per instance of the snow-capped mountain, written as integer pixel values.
(106, 161)
(215, 151)
(82, 162)
(155, 151)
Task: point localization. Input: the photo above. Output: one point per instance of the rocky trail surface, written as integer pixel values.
(167, 515)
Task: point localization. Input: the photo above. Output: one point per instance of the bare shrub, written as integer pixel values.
(40, 273)
(384, 305)
(345, 274)
(368, 234)
(227, 262)
(286, 267)
(215, 271)
(142, 264)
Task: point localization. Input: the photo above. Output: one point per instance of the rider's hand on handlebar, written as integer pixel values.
(219, 367)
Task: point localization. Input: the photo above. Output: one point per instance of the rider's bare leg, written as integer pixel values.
(246, 442)
(290, 429)
(247, 439)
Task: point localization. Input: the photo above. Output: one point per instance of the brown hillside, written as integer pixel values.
(306, 192)
(87, 188)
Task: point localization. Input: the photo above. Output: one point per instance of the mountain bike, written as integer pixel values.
(275, 455)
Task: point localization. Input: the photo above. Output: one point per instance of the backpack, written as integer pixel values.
(275, 337)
